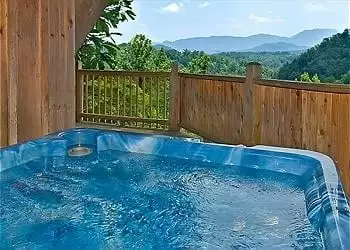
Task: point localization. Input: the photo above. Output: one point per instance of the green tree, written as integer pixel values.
(139, 52)
(315, 79)
(159, 61)
(329, 60)
(305, 77)
(199, 64)
(233, 63)
(139, 55)
(99, 46)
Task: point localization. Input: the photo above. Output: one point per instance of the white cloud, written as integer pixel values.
(173, 7)
(262, 19)
(315, 7)
(204, 4)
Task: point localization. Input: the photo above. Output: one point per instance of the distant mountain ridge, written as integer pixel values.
(278, 47)
(218, 44)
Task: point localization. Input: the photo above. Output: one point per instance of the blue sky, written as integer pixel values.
(171, 20)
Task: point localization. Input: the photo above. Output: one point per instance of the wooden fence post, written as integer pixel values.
(253, 73)
(79, 85)
(174, 118)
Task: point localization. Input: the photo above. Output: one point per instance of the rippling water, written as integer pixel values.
(132, 201)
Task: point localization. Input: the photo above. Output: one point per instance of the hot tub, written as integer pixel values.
(98, 189)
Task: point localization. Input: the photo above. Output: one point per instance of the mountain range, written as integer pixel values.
(254, 43)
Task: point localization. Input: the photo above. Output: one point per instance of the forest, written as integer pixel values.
(328, 61)
(140, 55)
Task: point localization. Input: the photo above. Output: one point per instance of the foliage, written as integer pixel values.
(315, 79)
(118, 97)
(305, 77)
(139, 52)
(139, 55)
(345, 79)
(99, 47)
(199, 64)
(330, 60)
(160, 61)
(234, 63)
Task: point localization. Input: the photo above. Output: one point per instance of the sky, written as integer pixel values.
(170, 20)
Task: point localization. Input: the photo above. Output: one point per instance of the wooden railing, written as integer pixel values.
(120, 98)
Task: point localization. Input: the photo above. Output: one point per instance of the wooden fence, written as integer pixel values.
(234, 110)
(211, 106)
(252, 111)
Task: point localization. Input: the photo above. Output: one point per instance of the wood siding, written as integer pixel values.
(3, 75)
(37, 68)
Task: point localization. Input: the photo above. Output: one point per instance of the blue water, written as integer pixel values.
(132, 201)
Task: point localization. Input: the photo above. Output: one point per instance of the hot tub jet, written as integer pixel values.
(79, 151)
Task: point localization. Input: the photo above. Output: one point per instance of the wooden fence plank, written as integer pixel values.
(79, 93)
(253, 73)
(175, 98)
(93, 93)
(130, 97)
(105, 94)
(343, 138)
(257, 115)
(4, 76)
(286, 131)
(111, 87)
(296, 118)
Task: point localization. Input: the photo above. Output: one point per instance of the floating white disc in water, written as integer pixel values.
(79, 151)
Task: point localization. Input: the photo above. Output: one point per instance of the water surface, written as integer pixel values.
(132, 201)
